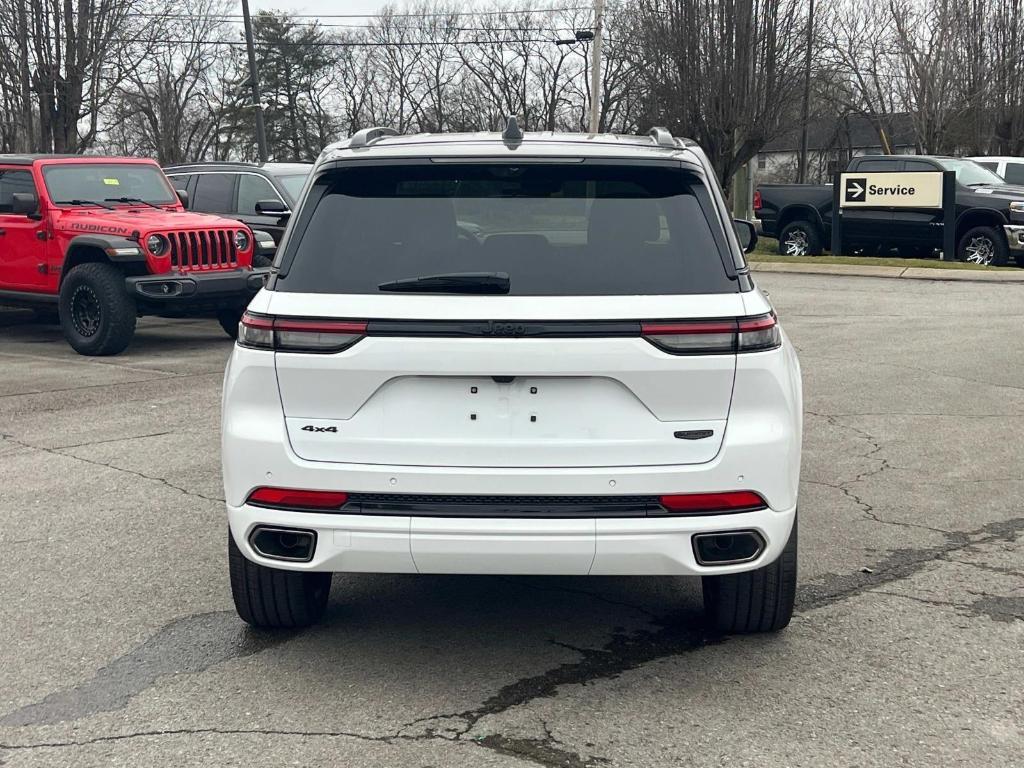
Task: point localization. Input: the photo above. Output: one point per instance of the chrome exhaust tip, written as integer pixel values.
(292, 544)
(727, 547)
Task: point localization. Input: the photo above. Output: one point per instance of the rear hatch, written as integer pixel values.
(532, 356)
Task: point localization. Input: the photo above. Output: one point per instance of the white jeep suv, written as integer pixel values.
(500, 353)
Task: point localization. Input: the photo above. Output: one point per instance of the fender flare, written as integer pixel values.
(115, 250)
(814, 216)
(120, 250)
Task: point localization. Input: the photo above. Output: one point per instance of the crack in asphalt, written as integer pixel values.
(676, 635)
(938, 374)
(110, 440)
(883, 464)
(187, 645)
(1004, 608)
(673, 635)
(135, 473)
(988, 567)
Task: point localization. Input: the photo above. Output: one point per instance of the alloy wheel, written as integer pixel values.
(86, 312)
(981, 250)
(796, 243)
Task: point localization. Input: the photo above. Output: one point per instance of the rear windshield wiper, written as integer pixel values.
(454, 282)
(86, 202)
(131, 200)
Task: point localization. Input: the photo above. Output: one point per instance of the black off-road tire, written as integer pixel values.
(259, 261)
(797, 231)
(229, 320)
(754, 601)
(1000, 250)
(97, 314)
(273, 598)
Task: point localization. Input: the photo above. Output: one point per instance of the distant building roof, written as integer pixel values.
(852, 131)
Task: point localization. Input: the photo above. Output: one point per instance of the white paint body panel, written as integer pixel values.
(608, 408)
(601, 547)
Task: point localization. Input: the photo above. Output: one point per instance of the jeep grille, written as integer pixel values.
(203, 249)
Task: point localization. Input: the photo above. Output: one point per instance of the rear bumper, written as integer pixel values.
(594, 546)
(198, 290)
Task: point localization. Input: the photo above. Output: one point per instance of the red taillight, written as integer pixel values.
(703, 503)
(709, 337)
(757, 199)
(290, 498)
(287, 334)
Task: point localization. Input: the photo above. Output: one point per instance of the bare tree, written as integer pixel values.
(722, 71)
(79, 51)
(169, 107)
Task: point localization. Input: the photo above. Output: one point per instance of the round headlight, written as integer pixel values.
(156, 244)
(241, 240)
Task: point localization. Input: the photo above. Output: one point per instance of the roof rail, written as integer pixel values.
(662, 137)
(364, 137)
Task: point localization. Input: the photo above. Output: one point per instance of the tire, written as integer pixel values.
(272, 598)
(229, 320)
(96, 313)
(754, 601)
(983, 245)
(259, 261)
(800, 238)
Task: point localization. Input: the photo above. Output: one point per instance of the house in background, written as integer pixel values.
(831, 142)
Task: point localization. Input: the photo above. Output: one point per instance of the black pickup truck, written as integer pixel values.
(989, 215)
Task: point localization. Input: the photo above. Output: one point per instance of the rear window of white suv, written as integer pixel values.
(554, 229)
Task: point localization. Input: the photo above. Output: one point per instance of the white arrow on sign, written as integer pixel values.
(855, 190)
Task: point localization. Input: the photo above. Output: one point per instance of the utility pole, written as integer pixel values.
(801, 165)
(254, 81)
(595, 67)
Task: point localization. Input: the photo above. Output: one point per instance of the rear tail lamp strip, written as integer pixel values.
(721, 502)
(703, 337)
(292, 335)
(676, 337)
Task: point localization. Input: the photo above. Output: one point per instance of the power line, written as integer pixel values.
(318, 44)
(234, 17)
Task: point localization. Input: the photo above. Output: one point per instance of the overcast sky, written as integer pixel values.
(315, 6)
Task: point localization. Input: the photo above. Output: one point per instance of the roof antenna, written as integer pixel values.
(512, 134)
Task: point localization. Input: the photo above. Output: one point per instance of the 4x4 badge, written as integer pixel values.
(311, 428)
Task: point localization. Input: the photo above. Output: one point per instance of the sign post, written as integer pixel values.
(892, 191)
(949, 215)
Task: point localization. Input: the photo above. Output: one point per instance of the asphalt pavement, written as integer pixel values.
(119, 644)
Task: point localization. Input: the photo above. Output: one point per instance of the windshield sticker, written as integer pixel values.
(112, 182)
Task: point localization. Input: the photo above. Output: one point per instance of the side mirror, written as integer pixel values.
(264, 243)
(182, 196)
(271, 208)
(746, 234)
(24, 204)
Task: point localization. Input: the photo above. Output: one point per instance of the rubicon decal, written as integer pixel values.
(107, 229)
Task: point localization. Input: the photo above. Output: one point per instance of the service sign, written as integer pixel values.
(891, 190)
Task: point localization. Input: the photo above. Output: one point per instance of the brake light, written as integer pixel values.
(297, 335)
(709, 337)
(757, 199)
(289, 498)
(704, 503)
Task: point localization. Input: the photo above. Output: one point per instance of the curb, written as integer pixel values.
(905, 273)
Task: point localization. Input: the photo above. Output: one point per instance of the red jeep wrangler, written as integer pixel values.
(103, 241)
